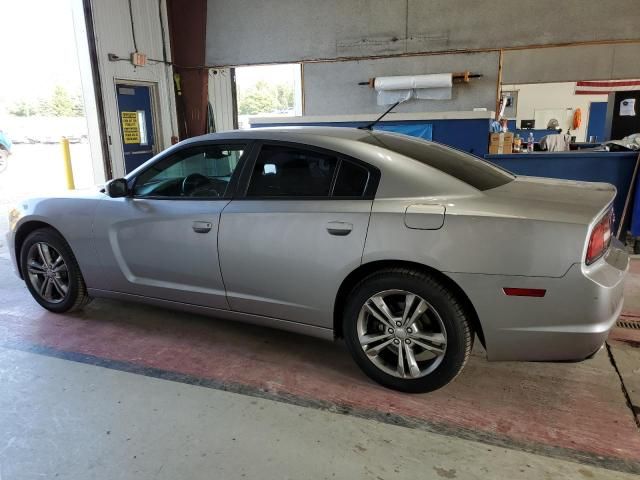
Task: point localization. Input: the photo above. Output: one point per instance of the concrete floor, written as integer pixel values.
(129, 391)
(123, 390)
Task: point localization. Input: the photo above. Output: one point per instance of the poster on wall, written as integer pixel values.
(628, 107)
(130, 127)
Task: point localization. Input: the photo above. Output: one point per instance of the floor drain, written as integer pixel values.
(634, 324)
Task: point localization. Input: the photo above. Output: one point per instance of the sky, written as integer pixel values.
(38, 49)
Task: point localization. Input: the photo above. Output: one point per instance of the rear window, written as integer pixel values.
(463, 166)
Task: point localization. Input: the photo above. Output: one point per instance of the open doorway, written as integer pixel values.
(40, 102)
(268, 91)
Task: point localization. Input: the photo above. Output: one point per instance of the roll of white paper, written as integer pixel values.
(410, 82)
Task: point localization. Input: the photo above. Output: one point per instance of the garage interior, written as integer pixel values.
(123, 390)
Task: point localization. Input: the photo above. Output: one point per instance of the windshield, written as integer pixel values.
(468, 168)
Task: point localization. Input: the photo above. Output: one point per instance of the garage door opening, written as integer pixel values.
(268, 91)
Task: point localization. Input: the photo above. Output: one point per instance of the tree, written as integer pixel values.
(23, 109)
(60, 104)
(265, 98)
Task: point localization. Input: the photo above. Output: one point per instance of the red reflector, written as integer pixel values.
(524, 292)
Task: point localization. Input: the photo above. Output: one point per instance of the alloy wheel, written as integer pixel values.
(47, 272)
(402, 334)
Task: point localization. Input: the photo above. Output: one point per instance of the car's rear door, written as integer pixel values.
(295, 231)
(162, 240)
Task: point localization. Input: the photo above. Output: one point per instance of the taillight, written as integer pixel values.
(600, 238)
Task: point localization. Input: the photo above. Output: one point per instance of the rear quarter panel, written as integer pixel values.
(474, 241)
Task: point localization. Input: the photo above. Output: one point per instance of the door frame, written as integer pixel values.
(155, 115)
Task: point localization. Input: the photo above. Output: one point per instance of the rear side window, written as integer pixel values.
(352, 180)
(463, 166)
(282, 171)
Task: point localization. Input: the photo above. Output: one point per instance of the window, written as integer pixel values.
(288, 171)
(463, 166)
(352, 180)
(203, 172)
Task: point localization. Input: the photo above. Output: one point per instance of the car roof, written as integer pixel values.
(283, 133)
(401, 176)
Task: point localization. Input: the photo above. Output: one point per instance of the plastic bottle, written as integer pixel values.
(530, 142)
(517, 144)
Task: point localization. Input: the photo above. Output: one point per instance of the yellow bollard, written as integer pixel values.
(66, 157)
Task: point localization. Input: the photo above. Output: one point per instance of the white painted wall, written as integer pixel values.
(220, 91)
(113, 35)
(532, 96)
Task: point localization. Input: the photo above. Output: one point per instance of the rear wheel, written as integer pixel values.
(406, 330)
(51, 272)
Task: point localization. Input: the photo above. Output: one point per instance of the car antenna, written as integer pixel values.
(369, 126)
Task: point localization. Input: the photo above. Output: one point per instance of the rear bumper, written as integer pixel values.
(570, 322)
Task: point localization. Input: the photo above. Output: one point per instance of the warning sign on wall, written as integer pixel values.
(130, 127)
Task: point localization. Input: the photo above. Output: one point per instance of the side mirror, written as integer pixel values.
(117, 188)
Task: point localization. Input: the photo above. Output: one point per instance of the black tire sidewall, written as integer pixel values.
(75, 277)
(451, 313)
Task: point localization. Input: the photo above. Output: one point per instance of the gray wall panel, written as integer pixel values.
(566, 64)
(331, 88)
(260, 31)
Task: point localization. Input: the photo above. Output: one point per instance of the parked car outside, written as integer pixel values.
(5, 150)
(407, 249)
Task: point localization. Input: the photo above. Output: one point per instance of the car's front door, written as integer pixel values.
(300, 227)
(162, 240)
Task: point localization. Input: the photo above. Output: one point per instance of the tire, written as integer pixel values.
(43, 243)
(4, 159)
(436, 334)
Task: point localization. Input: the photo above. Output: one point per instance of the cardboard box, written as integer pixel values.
(501, 143)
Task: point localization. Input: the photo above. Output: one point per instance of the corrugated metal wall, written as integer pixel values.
(221, 98)
(113, 34)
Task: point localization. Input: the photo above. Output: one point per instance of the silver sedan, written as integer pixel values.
(407, 249)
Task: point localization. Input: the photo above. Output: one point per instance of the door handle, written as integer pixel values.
(202, 227)
(339, 228)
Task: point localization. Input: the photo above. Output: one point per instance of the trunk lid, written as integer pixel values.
(551, 199)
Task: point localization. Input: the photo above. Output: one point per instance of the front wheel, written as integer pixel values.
(51, 272)
(407, 331)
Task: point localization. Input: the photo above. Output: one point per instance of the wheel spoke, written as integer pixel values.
(414, 370)
(45, 255)
(375, 351)
(45, 288)
(401, 370)
(437, 338)
(379, 302)
(408, 303)
(373, 311)
(368, 339)
(59, 261)
(59, 286)
(431, 348)
(420, 309)
(60, 268)
(36, 268)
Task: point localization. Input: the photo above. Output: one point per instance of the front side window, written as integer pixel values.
(203, 172)
(282, 171)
